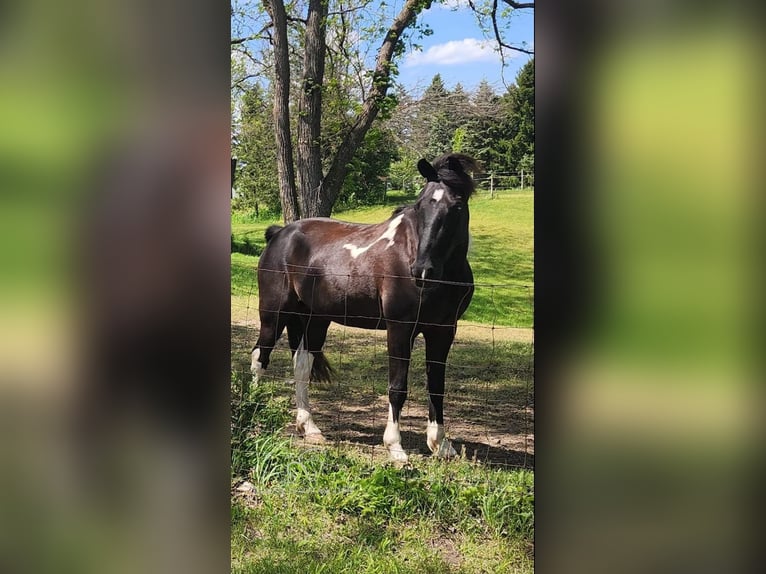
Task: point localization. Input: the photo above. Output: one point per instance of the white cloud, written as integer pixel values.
(464, 51)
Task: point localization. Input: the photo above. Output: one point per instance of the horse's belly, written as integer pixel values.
(330, 298)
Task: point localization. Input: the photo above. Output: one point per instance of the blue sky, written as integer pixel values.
(460, 52)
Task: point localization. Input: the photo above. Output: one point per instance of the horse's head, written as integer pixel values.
(442, 214)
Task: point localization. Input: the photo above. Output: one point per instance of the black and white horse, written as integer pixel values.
(407, 275)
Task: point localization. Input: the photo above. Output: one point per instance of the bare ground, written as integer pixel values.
(489, 410)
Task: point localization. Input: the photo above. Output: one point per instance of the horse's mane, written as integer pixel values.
(445, 164)
(399, 209)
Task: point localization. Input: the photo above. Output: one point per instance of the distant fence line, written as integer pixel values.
(494, 181)
(490, 182)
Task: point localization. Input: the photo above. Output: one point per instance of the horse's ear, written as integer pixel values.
(427, 171)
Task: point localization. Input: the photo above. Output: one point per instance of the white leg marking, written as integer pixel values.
(389, 234)
(393, 439)
(256, 367)
(437, 443)
(302, 363)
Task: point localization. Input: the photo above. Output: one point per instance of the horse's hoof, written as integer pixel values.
(446, 450)
(315, 438)
(398, 455)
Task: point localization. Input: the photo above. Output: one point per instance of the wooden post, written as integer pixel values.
(492, 185)
(522, 178)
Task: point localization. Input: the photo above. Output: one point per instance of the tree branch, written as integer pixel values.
(519, 5)
(381, 80)
(257, 36)
(499, 39)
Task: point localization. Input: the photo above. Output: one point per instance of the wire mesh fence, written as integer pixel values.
(488, 397)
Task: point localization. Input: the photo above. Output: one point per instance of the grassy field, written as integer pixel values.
(342, 507)
(334, 510)
(502, 256)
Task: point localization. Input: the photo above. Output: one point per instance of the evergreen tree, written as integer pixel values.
(521, 99)
(485, 129)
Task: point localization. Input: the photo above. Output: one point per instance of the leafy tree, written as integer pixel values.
(255, 150)
(366, 183)
(318, 186)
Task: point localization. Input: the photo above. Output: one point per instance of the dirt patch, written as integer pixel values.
(488, 403)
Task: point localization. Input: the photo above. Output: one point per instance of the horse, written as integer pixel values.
(408, 275)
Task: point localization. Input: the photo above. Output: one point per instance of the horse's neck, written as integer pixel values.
(456, 262)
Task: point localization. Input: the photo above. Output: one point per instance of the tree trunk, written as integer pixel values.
(381, 79)
(288, 195)
(318, 194)
(310, 110)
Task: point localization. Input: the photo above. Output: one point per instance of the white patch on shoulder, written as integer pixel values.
(438, 194)
(356, 251)
(389, 234)
(391, 231)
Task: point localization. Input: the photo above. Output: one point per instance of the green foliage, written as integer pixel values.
(366, 182)
(496, 130)
(311, 502)
(257, 414)
(254, 147)
(522, 119)
(245, 246)
(403, 174)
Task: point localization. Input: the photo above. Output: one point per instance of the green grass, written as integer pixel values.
(502, 255)
(332, 510)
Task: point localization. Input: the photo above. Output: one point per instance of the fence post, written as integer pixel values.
(492, 185)
(522, 178)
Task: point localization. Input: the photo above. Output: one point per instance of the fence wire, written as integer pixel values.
(489, 384)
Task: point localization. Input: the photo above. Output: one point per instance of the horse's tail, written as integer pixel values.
(272, 231)
(321, 370)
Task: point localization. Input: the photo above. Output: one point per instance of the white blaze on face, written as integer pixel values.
(389, 234)
(393, 439)
(438, 194)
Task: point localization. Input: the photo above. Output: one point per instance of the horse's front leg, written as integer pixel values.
(438, 344)
(400, 338)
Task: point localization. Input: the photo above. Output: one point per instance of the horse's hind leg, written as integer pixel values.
(271, 329)
(438, 342)
(306, 341)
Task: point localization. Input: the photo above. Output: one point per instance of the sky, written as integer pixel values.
(459, 51)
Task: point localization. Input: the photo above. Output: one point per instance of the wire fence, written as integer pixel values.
(489, 386)
(497, 182)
